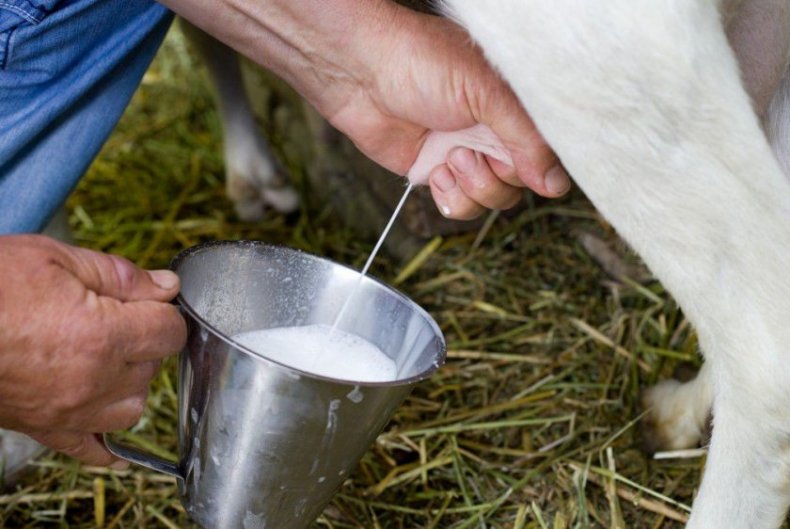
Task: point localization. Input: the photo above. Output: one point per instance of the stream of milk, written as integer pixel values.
(326, 350)
(370, 258)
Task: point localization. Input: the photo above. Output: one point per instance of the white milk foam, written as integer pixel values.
(320, 350)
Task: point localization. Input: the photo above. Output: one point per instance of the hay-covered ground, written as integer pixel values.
(533, 422)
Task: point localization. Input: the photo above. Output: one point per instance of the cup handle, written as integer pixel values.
(138, 456)
(135, 455)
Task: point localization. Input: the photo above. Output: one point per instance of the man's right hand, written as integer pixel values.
(81, 335)
(387, 77)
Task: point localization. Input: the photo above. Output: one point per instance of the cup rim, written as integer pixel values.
(185, 254)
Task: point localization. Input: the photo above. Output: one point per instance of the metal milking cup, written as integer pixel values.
(260, 444)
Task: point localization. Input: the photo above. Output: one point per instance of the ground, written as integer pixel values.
(532, 423)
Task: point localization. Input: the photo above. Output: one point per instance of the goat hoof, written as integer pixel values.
(668, 424)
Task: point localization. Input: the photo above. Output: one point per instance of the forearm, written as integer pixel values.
(318, 47)
(387, 77)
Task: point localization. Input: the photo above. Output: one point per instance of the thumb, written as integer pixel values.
(118, 278)
(536, 164)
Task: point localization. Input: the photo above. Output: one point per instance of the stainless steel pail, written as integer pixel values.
(263, 445)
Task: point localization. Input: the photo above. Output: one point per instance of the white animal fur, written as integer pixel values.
(643, 103)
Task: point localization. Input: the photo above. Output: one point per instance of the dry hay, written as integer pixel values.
(533, 422)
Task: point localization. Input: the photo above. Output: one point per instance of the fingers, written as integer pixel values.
(536, 165)
(119, 415)
(539, 169)
(449, 197)
(130, 385)
(83, 446)
(116, 407)
(118, 278)
(145, 330)
(467, 185)
(474, 174)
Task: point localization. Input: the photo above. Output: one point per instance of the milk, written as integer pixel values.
(372, 256)
(326, 350)
(320, 350)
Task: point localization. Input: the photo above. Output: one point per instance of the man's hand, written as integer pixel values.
(81, 336)
(386, 77)
(431, 77)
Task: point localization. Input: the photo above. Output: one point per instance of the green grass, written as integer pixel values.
(533, 422)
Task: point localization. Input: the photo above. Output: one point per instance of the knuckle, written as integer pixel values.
(69, 404)
(467, 212)
(133, 411)
(93, 342)
(171, 334)
(89, 365)
(505, 172)
(125, 273)
(73, 446)
(137, 406)
(76, 398)
(149, 370)
(90, 331)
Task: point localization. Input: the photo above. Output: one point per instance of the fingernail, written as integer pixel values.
(164, 278)
(463, 160)
(121, 464)
(557, 181)
(443, 179)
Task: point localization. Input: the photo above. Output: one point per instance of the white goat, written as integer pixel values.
(643, 102)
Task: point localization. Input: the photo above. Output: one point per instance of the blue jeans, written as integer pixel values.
(67, 71)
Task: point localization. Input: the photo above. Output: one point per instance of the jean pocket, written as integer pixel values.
(16, 13)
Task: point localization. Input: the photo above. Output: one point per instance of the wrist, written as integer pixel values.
(329, 57)
(322, 49)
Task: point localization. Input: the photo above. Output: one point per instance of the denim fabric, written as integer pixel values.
(67, 71)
